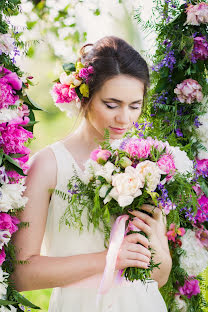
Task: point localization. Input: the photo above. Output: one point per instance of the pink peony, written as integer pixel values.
(23, 110)
(90, 69)
(8, 222)
(7, 96)
(190, 288)
(200, 50)
(197, 14)
(189, 91)
(99, 155)
(202, 166)
(83, 73)
(202, 236)
(166, 164)
(63, 93)
(202, 212)
(10, 78)
(138, 148)
(2, 256)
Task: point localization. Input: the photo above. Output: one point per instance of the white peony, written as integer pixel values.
(11, 197)
(181, 304)
(6, 43)
(182, 162)
(151, 172)
(3, 290)
(195, 260)
(3, 275)
(7, 114)
(127, 186)
(4, 238)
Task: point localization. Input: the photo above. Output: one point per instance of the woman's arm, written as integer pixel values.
(155, 228)
(47, 272)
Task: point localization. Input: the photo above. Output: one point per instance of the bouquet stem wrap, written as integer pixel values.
(116, 239)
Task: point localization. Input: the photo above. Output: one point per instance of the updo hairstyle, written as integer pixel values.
(112, 56)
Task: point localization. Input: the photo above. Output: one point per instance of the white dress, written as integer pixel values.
(81, 296)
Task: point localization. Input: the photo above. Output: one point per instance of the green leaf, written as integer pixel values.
(24, 300)
(69, 67)
(12, 164)
(17, 155)
(96, 12)
(1, 156)
(31, 24)
(106, 214)
(80, 96)
(31, 104)
(204, 187)
(161, 85)
(7, 302)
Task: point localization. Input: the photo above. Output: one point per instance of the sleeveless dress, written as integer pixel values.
(65, 241)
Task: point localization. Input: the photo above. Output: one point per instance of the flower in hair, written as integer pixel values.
(72, 87)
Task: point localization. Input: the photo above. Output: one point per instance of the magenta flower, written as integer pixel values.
(197, 14)
(202, 166)
(8, 222)
(138, 148)
(90, 69)
(83, 73)
(166, 164)
(190, 288)
(173, 232)
(200, 50)
(2, 256)
(10, 78)
(202, 212)
(189, 91)
(8, 96)
(63, 93)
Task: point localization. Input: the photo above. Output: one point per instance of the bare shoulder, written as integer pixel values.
(43, 168)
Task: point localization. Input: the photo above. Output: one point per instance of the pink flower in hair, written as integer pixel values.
(63, 93)
(189, 91)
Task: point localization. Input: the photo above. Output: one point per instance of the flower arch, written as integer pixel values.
(177, 106)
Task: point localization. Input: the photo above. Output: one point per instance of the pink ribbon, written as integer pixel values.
(116, 239)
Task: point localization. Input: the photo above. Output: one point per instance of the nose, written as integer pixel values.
(123, 117)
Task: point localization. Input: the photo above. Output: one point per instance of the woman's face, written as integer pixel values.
(116, 105)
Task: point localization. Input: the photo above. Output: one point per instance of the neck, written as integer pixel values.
(88, 135)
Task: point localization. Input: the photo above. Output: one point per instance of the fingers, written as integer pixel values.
(139, 249)
(144, 217)
(155, 211)
(142, 226)
(136, 264)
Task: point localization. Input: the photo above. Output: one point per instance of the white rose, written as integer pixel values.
(106, 171)
(127, 186)
(151, 172)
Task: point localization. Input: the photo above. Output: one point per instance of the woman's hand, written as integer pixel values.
(132, 254)
(154, 227)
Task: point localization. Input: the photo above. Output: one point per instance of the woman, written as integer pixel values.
(73, 263)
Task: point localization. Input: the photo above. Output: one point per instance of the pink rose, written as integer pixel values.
(189, 91)
(190, 288)
(101, 156)
(197, 14)
(166, 164)
(8, 222)
(2, 256)
(139, 148)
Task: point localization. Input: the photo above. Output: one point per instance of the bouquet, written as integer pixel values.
(124, 175)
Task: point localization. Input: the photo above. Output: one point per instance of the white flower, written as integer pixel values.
(106, 171)
(202, 132)
(65, 79)
(11, 197)
(3, 290)
(91, 167)
(115, 144)
(6, 43)
(3, 275)
(5, 309)
(8, 114)
(196, 258)
(181, 304)
(151, 172)
(127, 186)
(3, 176)
(4, 238)
(182, 162)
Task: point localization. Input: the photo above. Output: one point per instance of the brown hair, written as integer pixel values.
(111, 56)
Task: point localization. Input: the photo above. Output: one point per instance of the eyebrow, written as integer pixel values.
(119, 101)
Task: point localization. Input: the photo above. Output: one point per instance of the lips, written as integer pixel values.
(118, 130)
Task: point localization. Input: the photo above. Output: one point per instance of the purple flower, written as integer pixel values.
(197, 123)
(200, 49)
(190, 288)
(179, 132)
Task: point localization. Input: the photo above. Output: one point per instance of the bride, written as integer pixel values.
(70, 262)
